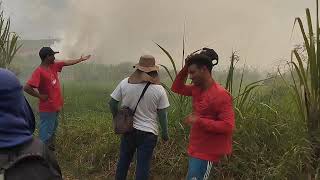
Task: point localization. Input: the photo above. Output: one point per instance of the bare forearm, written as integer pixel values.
(76, 61)
(72, 62)
(28, 89)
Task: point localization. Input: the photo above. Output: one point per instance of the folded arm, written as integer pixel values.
(29, 89)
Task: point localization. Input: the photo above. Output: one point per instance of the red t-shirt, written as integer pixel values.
(211, 134)
(47, 82)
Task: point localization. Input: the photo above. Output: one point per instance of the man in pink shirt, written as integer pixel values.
(212, 118)
(46, 80)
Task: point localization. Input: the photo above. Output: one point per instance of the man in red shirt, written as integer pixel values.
(46, 80)
(212, 118)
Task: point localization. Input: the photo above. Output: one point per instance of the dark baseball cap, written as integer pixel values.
(46, 51)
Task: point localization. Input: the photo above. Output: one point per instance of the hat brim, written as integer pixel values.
(140, 77)
(146, 69)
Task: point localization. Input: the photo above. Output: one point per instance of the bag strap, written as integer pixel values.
(144, 90)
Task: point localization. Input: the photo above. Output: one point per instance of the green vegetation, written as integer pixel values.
(8, 42)
(270, 140)
(277, 119)
(307, 87)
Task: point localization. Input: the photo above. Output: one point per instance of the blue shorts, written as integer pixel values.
(199, 169)
(48, 126)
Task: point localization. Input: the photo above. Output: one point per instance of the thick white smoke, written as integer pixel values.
(121, 30)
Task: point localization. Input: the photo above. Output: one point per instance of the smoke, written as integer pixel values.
(122, 30)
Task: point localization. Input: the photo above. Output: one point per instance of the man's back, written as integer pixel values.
(155, 98)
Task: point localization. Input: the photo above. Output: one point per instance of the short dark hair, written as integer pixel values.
(200, 60)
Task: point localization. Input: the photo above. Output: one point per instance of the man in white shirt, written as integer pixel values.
(153, 104)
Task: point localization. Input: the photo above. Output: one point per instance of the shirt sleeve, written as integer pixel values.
(34, 80)
(179, 85)
(163, 120)
(163, 101)
(58, 66)
(117, 94)
(113, 105)
(225, 118)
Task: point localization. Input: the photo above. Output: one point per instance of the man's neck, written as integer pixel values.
(207, 84)
(44, 64)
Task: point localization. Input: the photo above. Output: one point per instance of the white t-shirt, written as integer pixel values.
(145, 117)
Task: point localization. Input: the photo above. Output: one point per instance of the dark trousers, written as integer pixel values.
(143, 143)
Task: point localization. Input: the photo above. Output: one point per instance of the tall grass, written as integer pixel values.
(270, 141)
(241, 98)
(8, 42)
(181, 104)
(306, 85)
(267, 144)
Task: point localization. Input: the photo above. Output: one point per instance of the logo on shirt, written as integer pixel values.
(53, 82)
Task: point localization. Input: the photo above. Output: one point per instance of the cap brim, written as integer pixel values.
(54, 52)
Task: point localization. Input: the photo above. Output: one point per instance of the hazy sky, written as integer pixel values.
(121, 30)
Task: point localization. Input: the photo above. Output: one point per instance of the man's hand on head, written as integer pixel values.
(186, 61)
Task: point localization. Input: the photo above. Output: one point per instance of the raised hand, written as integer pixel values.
(84, 58)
